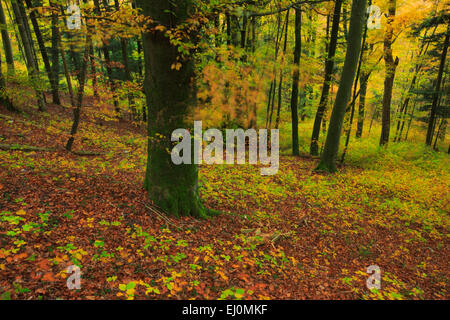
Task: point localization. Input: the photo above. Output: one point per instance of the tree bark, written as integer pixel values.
(43, 50)
(329, 65)
(127, 72)
(80, 94)
(436, 94)
(280, 86)
(9, 57)
(108, 65)
(32, 66)
(390, 67)
(273, 84)
(295, 81)
(54, 51)
(362, 103)
(171, 94)
(4, 99)
(357, 20)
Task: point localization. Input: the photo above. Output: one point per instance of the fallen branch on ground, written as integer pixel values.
(17, 147)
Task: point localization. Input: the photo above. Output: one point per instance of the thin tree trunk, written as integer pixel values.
(295, 81)
(67, 75)
(108, 65)
(54, 51)
(269, 103)
(140, 68)
(139, 49)
(16, 32)
(273, 103)
(405, 103)
(93, 72)
(273, 83)
(390, 67)
(9, 57)
(43, 50)
(344, 21)
(33, 70)
(280, 87)
(438, 133)
(362, 104)
(357, 20)
(410, 120)
(127, 72)
(329, 65)
(80, 94)
(434, 106)
(4, 99)
(352, 104)
(228, 18)
(244, 30)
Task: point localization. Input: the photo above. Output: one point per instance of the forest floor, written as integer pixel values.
(294, 235)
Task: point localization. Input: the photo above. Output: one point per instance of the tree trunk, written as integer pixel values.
(32, 66)
(127, 72)
(108, 65)
(244, 30)
(16, 32)
(80, 94)
(273, 84)
(171, 94)
(434, 106)
(329, 65)
(228, 18)
(66, 70)
(295, 81)
(6, 42)
(280, 86)
(352, 104)
(390, 67)
(362, 103)
(55, 47)
(4, 99)
(43, 50)
(357, 20)
(405, 103)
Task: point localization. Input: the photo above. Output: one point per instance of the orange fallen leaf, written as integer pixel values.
(20, 256)
(44, 264)
(48, 277)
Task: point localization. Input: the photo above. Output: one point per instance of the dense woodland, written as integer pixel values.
(91, 91)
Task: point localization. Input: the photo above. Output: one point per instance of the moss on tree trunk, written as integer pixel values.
(170, 95)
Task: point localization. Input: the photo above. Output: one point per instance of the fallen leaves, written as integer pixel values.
(294, 236)
(49, 277)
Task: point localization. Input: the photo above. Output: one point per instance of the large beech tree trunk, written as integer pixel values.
(170, 95)
(328, 158)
